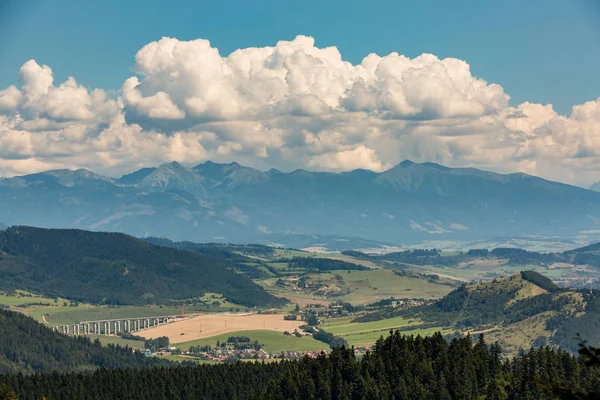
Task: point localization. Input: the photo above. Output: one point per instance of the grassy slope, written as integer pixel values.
(346, 327)
(23, 297)
(367, 333)
(366, 287)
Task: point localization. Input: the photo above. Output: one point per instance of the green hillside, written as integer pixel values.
(113, 268)
(518, 311)
(27, 346)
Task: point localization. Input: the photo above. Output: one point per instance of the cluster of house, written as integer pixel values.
(406, 303)
(319, 310)
(226, 353)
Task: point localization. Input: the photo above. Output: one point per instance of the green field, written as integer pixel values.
(367, 333)
(369, 338)
(85, 312)
(24, 298)
(274, 342)
(361, 287)
(346, 327)
(386, 284)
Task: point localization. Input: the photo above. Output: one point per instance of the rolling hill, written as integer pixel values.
(232, 203)
(518, 311)
(113, 268)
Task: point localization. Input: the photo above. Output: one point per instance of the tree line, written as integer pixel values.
(28, 347)
(117, 269)
(399, 367)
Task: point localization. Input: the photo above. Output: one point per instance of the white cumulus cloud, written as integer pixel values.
(291, 105)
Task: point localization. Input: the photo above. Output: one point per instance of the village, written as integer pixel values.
(232, 353)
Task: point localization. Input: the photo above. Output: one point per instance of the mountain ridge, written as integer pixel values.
(410, 202)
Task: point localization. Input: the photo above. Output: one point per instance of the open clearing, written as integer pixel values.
(208, 325)
(272, 341)
(350, 328)
(367, 333)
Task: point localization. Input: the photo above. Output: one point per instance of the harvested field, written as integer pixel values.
(207, 325)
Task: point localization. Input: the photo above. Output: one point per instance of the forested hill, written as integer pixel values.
(399, 367)
(114, 268)
(27, 346)
(519, 311)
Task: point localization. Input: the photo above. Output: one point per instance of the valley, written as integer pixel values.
(354, 296)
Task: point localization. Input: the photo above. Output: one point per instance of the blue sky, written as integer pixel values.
(545, 51)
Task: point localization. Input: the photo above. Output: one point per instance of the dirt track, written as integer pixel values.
(208, 325)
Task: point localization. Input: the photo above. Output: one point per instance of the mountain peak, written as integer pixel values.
(405, 163)
(173, 175)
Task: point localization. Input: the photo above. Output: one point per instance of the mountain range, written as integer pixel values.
(212, 202)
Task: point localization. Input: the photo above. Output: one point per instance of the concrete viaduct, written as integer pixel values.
(113, 326)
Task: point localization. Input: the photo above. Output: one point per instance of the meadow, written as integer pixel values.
(357, 287)
(369, 338)
(22, 297)
(367, 333)
(274, 342)
(344, 326)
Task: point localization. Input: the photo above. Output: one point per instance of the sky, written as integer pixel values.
(324, 85)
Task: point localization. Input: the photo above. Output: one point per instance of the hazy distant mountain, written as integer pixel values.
(595, 187)
(229, 202)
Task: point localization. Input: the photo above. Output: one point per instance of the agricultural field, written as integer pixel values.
(347, 327)
(209, 325)
(272, 341)
(369, 338)
(356, 287)
(367, 333)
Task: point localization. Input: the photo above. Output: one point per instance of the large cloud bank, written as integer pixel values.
(290, 106)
